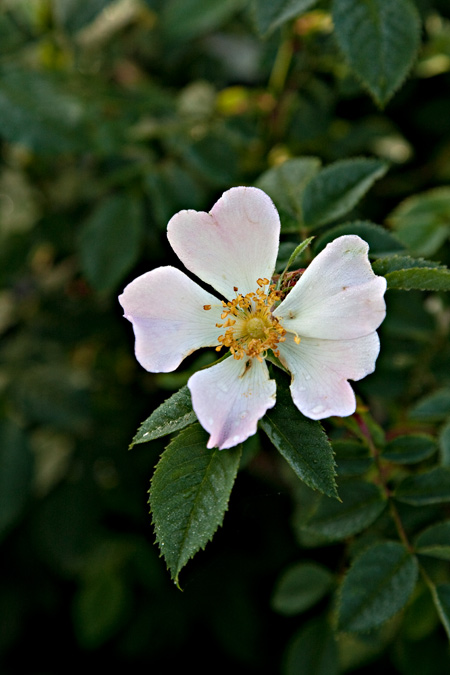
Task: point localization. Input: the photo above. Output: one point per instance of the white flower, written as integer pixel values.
(323, 332)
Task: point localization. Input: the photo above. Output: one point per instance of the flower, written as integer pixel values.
(323, 331)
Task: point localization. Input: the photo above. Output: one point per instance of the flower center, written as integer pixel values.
(256, 328)
(251, 330)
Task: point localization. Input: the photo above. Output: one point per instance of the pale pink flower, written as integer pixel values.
(323, 332)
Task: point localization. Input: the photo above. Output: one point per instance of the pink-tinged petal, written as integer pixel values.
(233, 245)
(167, 311)
(320, 370)
(338, 297)
(229, 399)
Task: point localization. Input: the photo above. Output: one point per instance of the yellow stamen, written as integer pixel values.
(253, 330)
(206, 306)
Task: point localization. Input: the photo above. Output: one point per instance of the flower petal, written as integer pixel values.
(229, 399)
(233, 245)
(338, 297)
(167, 311)
(320, 370)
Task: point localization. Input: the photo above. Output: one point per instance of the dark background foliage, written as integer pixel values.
(113, 116)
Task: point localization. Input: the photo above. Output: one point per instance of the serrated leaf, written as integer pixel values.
(337, 188)
(285, 184)
(396, 263)
(271, 14)
(380, 40)
(434, 406)
(361, 504)
(409, 449)
(301, 441)
(301, 587)
(431, 487)
(422, 222)
(381, 241)
(109, 241)
(378, 584)
(435, 541)
(189, 495)
(419, 279)
(174, 414)
(313, 651)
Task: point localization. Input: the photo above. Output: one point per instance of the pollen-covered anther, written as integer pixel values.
(253, 330)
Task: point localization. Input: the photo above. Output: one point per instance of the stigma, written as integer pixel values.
(250, 328)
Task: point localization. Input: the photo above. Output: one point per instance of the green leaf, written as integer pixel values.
(444, 445)
(188, 19)
(270, 14)
(420, 279)
(49, 394)
(301, 441)
(420, 618)
(396, 263)
(337, 188)
(422, 222)
(352, 458)
(378, 584)
(380, 40)
(285, 252)
(174, 414)
(435, 541)
(301, 587)
(110, 240)
(381, 241)
(313, 651)
(286, 182)
(293, 258)
(409, 449)
(99, 607)
(189, 495)
(434, 406)
(361, 504)
(214, 158)
(16, 475)
(75, 14)
(38, 112)
(441, 597)
(170, 188)
(431, 487)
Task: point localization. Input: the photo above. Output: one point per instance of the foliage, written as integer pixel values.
(333, 550)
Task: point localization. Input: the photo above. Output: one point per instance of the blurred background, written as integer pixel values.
(113, 116)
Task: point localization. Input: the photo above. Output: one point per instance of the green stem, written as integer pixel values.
(281, 65)
(365, 435)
